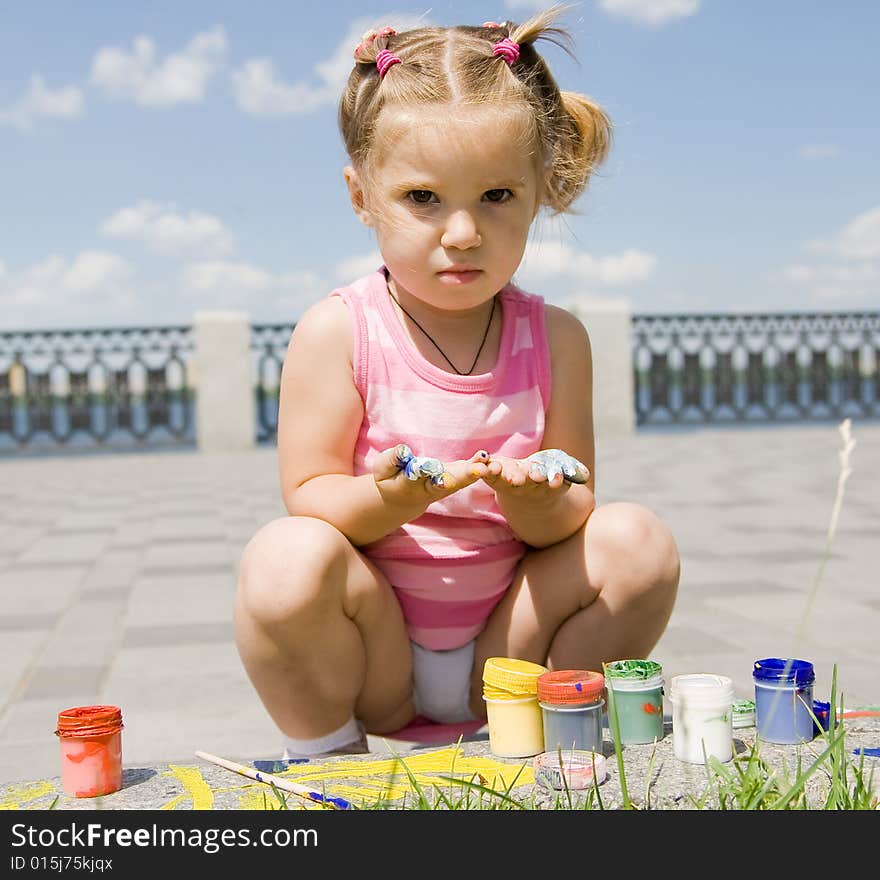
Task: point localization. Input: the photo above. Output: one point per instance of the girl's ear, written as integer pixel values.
(356, 195)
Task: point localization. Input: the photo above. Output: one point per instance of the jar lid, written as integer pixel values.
(743, 713)
(789, 670)
(701, 689)
(89, 721)
(509, 677)
(571, 686)
(627, 675)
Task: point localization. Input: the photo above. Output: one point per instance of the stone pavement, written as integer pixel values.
(117, 574)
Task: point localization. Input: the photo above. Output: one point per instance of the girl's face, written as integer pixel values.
(451, 195)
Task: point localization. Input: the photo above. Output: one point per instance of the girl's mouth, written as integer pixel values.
(459, 276)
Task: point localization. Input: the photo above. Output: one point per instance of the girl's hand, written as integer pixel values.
(555, 461)
(540, 475)
(406, 479)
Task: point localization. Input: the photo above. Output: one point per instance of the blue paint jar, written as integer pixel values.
(784, 700)
(571, 702)
(822, 711)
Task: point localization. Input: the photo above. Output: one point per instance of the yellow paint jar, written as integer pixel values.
(510, 690)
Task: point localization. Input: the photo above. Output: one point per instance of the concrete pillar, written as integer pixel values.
(609, 326)
(225, 404)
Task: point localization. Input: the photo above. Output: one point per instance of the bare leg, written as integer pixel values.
(606, 593)
(320, 632)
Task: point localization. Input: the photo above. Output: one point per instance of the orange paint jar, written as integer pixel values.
(91, 750)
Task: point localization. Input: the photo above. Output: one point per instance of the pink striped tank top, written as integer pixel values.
(449, 567)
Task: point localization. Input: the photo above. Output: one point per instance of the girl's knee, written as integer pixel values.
(286, 565)
(636, 534)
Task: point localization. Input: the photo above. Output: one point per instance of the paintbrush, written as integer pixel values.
(337, 803)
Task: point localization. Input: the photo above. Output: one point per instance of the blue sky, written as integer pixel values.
(161, 158)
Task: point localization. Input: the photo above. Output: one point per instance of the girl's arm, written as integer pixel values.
(539, 515)
(319, 416)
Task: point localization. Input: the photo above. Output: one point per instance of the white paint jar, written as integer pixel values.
(702, 717)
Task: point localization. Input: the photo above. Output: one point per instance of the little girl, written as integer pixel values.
(396, 575)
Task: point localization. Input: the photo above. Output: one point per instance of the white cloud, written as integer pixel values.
(162, 228)
(92, 285)
(352, 268)
(818, 152)
(281, 296)
(854, 279)
(838, 283)
(547, 259)
(220, 277)
(650, 12)
(2, 269)
(260, 91)
(858, 240)
(93, 271)
(40, 101)
(140, 77)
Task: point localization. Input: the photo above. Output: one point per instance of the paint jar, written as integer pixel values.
(702, 717)
(571, 702)
(571, 768)
(510, 689)
(91, 750)
(822, 711)
(784, 699)
(638, 699)
(743, 713)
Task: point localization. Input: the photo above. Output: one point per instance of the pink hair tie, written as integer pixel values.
(507, 49)
(370, 37)
(384, 60)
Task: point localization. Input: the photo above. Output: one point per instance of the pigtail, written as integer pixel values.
(371, 44)
(577, 130)
(583, 145)
(540, 27)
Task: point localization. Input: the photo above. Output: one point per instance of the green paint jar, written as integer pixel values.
(638, 699)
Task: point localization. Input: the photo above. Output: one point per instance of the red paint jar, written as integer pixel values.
(91, 750)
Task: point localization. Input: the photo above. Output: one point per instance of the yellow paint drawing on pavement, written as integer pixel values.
(362, 781)
(192, 780)
(27, 793)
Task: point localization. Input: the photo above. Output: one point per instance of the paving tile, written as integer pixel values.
(17, 537)
(175, 634)
(691, 639)
(23, 622)
(186, 597)
(87, 634)
(73, 522)
(20, 650)
(77, 685)
(65, 548)
(190, 555)
(39, 589)
(181, 528)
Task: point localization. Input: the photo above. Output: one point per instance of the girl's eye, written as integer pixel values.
(497, 195)
(420, 196)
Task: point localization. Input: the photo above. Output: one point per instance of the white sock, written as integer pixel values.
(350, 732)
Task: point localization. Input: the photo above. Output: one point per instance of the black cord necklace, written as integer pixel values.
(431, 340)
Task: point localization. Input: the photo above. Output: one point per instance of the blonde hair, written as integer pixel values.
(456, 65)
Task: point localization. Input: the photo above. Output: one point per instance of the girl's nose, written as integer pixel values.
(460, 232)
